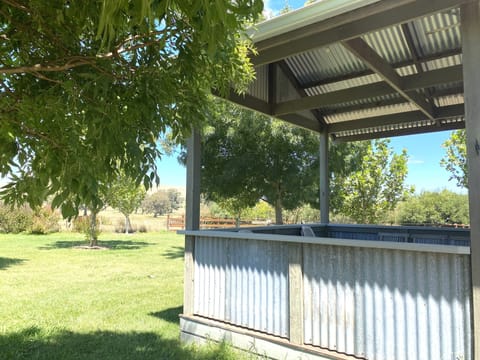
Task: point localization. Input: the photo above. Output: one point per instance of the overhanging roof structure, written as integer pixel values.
(362, 69)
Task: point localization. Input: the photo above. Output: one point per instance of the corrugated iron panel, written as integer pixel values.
(259, 87)
(443, 62)
(243, 282)
(437, 33)
(449, 100)
(393, 127)
(344, 84)
(453, 120)
(387, 304)
(371, 112)
(326, 62)
(390, 44)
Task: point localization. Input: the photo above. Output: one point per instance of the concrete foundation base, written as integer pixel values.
(201, 331)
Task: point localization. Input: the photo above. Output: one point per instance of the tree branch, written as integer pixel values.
(46, 67)
(16, 5)
(75, 61)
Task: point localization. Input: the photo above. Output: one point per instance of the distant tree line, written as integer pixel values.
(162, 202)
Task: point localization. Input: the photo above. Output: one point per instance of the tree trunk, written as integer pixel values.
(127, 224)
(93, 229)
(278, 211)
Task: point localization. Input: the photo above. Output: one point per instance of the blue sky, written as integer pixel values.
(425, 150)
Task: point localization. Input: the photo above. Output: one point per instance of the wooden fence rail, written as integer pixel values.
(178, 223)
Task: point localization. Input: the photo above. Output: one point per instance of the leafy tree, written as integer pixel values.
(434, 208)
(86, 87)
(302, 214)
(176, 199)
(261, 211)
(455, 159)
(247, 156)
(125, 196)
(376, 186)
(162, 202)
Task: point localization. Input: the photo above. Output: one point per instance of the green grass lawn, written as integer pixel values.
(62, 302)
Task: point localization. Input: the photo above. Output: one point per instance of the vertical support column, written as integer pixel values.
(470, 18)
(192, 218)
(324, 175)
(295, 292)
(272, 86)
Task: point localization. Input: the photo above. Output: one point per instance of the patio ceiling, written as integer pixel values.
(362, 69)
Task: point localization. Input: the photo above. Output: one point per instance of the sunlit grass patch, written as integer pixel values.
(59, 301)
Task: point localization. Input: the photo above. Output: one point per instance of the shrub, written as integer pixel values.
(45, 221)
(15, 219)
(81, 224)
(434, 208)
(120, 227)
(142, 228)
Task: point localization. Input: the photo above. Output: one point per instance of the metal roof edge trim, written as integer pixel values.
(305, 16)
(445, 249)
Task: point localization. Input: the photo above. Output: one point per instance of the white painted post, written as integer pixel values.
(470, 18)
(324, 175)
(192, 218)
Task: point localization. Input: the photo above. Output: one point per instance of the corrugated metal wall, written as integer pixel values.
(243, 282)
(259, 87)
(387, 304)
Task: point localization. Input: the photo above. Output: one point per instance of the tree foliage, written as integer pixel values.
(455, 159)
(247, 157)
(162, 202)
(86, 87)
(42, 220)
(434, 208)
(126, 196)
(376, 184)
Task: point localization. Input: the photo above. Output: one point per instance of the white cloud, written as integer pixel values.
(268, 11)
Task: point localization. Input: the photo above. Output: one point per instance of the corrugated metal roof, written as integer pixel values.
(413, 47)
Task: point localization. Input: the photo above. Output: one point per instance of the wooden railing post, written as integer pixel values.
(192, 218)
(470, 18)
(189, 285)
(295, 287)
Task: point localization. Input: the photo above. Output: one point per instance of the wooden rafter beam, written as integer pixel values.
(387, 102)
(392, 119)
(367, 72)
(410, 83)
(400, 132)
(379, 65)
(250, 102)
(272, 86)
(253, 103)
(300, 91)
(302, 121)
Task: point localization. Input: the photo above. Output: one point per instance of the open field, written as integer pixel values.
(111, 219)
(62, 302)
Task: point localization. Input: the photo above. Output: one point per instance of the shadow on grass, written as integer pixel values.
(35, 343)
(7, 262)
(174, 252)
(109, 244)
(170, 315)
